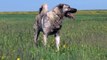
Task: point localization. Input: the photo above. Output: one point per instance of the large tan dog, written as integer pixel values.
(50, 22)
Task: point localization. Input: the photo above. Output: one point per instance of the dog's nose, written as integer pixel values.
(73, 10)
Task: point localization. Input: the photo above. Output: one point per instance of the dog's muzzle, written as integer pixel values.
(70, 13)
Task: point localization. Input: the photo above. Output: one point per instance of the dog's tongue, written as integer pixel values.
(72, 16)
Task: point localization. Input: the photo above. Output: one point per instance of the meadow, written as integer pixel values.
(84, 38)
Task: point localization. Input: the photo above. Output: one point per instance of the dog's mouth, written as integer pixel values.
(70, 14)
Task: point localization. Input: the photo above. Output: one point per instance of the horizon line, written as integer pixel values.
(49, 10)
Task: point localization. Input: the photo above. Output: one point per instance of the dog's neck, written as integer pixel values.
(52, 15)
(58, 12)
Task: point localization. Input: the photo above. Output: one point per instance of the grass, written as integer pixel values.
(82, 39)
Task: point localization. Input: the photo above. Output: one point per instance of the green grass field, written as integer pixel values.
(82, 39)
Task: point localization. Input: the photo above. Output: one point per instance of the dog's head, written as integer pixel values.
(67, 10)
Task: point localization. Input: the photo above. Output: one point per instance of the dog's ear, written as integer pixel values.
(60, 6)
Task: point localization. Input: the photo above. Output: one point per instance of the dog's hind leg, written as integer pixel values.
(45, 39)
(36, 34)
(57, 38)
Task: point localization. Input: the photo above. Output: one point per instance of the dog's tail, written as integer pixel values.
(43, 9)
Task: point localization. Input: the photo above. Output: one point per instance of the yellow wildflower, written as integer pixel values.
(18, 58)
(2, 58)
(64, 45)
(41, 59)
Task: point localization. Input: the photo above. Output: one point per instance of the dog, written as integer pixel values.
(50, 23)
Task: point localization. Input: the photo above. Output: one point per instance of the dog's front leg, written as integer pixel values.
(57, 38)
(45, 39)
